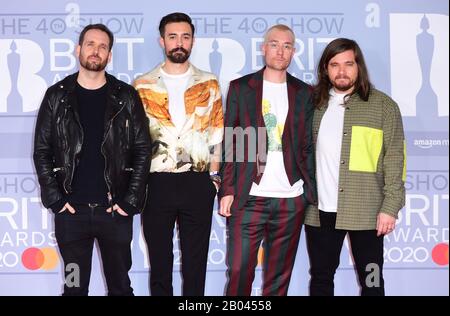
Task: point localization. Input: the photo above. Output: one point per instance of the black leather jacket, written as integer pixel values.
(126, 142)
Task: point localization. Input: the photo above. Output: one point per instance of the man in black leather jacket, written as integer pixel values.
(92, 157)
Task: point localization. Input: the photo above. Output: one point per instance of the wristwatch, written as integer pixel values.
(215, 177)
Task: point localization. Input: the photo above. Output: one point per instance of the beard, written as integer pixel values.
(178, 55)
(93, 65)
(343, 86)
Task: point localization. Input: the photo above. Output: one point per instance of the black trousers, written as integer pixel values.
(324, 248)
(76, 233)
(188, 199)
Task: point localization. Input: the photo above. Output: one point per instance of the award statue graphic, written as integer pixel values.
(420, 78)
(14, 101)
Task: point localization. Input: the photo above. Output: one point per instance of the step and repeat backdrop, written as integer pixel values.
(406, 45)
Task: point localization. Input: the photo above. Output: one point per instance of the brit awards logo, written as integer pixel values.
(224, 57)
(420, 78)
(22, 87)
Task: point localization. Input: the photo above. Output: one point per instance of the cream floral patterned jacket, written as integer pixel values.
(189, 149)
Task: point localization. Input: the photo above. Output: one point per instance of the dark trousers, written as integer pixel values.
(324, 248)
(76, 233)
(188, 199)
(278, 222)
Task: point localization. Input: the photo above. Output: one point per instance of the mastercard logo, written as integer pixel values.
(440, 254)
(44, 258)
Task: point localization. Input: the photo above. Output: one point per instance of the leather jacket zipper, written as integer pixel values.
(110, 200)
(127, 130)
(77, 150)
(65, 147)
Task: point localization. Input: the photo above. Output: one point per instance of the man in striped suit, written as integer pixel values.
(268, 168)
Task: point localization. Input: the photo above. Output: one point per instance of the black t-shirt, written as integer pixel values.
(89, 184)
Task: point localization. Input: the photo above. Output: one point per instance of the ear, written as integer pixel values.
(78, 51)
(109, 56)
(161, 42)
(293, 51)
(263, 48)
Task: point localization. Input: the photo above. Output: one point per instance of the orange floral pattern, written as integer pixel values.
(188, 149)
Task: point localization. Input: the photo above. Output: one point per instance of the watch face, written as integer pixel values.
(216, 179)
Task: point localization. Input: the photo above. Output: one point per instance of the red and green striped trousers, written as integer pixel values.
(274, 222)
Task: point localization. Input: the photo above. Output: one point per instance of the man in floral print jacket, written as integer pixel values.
(184, 107)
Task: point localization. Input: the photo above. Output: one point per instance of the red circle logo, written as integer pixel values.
(440, 254)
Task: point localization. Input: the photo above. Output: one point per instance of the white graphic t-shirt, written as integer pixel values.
(274, 182)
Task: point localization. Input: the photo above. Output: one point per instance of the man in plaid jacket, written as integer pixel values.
(360, 158)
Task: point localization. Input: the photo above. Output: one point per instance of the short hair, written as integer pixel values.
(100, 27)
(280, 27)
(175, 17)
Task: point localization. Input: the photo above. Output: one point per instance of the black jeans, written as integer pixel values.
(188, 199)
(324, 248)
(76, 233)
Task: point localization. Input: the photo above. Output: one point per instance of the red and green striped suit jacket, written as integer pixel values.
(240, 169)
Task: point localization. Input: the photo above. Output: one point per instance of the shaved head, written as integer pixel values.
(279, 27)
